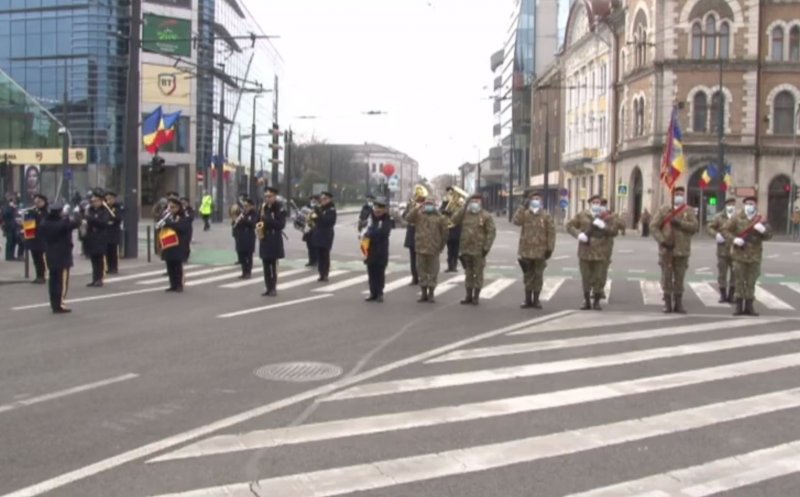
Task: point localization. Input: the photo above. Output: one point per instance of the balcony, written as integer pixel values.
(496, 130)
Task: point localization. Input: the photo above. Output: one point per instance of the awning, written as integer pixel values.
(552, 180)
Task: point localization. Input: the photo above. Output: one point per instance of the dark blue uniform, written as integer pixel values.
(378, 255)
(56, 234)
(113, 232)
(453, 242)
(36, 245)
(96, 242)
(323, 238)
(309, 239)
(175, 256)
(10, 230)
(271, 246)
(363, 216)
(409, 243)
(245, 236)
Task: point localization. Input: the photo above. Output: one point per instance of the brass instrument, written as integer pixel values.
(260, 230)
(420, 192)
(109, 209)
(456, 198)
(234, 212)
(163, 220)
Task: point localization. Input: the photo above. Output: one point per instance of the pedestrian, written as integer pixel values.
(114, 232)
(272, 221)
(97, 218)
(645, 221)
(725, 277)
(190, 214)
(477, 237)
(537, 241)
(206, 208)
(430, 238)
(244, 235)
(796, 224)
(749, 231)
(594, 235)
(366, 212)
(615, 221)
(174, 231)
(56, 235)
(454, 235)
(10, 228)
(377, 232)
(308, 232)
(33, 219)
(324, 221)
(420, 194)
(673, 227)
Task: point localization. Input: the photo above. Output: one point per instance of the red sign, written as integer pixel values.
(745, 192)
(388, 170)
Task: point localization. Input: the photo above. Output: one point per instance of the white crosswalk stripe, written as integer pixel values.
(212, 279)
(333, 287)
(260, 281)
(793, 286)
(450, 284)
(193, 274)
(308, 279)
(707, 295)
(607, 290)
(494, 288)
(130, 277)
(771, 301)
(651, 292)
(394, 285)
(549, 288)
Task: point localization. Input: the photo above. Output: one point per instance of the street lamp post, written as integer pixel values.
(252, 182)
(792, 180)
(220, 162)
(132, 170)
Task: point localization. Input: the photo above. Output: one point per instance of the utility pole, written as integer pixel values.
(66, 139)
(547, 156)
(132, 170)
(252, 190)
(276, 138)
(511, 181)
(219, 164)
(721, 131)
(287, 163)
(330, 168)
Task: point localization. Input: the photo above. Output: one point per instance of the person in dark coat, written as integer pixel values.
(178, 222)
(113, 232)
(56, 234)
(97, 217)
(325, 219)
(273, 215)
(308, 237)
(10, 228)
(190, 213)
(378, 229)
(366, 212)
(453, 238)
(245, 236)
(35, 245)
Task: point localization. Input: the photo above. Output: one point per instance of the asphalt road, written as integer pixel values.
(141, 393)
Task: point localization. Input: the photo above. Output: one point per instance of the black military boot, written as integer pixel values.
(424, 296)
(431, 299)
(528, 304)
(468, 299)
(587, 304)
(723, 295)
(739, 308)
(678, 307)
(596, 302)
(748, 308)
(731, 292)
(667, 304)
(476, 296)
(536, 303)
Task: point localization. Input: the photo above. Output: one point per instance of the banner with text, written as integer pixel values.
(167, 35)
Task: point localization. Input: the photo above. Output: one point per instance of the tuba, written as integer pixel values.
(420, 192)
(456, 198)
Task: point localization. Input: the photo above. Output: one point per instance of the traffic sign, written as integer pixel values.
(564, 203)
(564, 192)
(622, 190)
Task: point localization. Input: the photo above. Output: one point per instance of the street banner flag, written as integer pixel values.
(158, 129)
(727, 180)
(708, 176)
(673, 163)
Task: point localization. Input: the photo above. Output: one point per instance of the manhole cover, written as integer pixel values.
(299, 371)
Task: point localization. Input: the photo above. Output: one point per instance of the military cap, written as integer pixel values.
(380, 201)
(247, 200)
(98, 194)
(679, 189)
(109, 193)
(39, 195)
(730, 201)
(595, 197)
(326, 194)
(174, 200)
(751, 199)
(271, 189)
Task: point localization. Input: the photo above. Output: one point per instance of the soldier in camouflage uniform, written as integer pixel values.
(430, 238)
(725, 277)
(748, 230)
(594, 235)
(614, 219)
(673, 228)
(537, 240)
(477, 236)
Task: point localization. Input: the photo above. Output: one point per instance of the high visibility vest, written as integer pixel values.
(206, 205)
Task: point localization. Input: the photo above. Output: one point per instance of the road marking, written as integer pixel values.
(273, 306)
(607, 290)
(493, 289)
(394, 285)
(256, 281)
(549, 288)
(792, 286)
(394, 472)
(703, 270)
(91, 299)
(329, 430)
(774, 275)
(560, 257)
(64, 393)
(637, 271)
(569, 343)
(203, 272)
(651, 292)
(711, 478)
(342, 284)
(772, 256)
(771, 301)
(205, 430)
(129, 277)
(449, 284)
(391, 387)
(706, 293)
(309, 279)
(212, 279)
(598, 321)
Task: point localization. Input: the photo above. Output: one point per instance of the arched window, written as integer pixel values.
(794, 44)
(639, 127)
(777, 43)
(717, 110)
(622, 117)
(724, 40)
(711, 39)
(697, 41)
(700, 112)
(784, 109)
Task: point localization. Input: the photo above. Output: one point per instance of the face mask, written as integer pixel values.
(370, 204)
(750, 210)
(430, 209)
(474, 207)
(314, 204)
(597, 209)
(536, 204)
(679, 200)
(730, 210)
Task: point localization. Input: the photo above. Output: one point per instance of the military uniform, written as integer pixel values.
(323, 238)
(271, 246)
(96, 242)
(593, 253)
(409, 241)
(56, 234)
(747, 255)
(725, 276)
(245, 236)
(113, 237)
(615, 220)
(36, 245)
(673, 229)
(537, 241)
(174, 256)
(477, 237)
(430, 238)
(378, 230)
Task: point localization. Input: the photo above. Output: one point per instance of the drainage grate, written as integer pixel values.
(298, 372)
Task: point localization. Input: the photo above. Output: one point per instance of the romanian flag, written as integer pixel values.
(727, 180)
(158, 129)
(708, 176)
(674, 163)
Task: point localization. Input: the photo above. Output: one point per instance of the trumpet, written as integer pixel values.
(109, 209)
(160, 224)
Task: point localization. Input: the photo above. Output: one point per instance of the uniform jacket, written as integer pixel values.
(477, 232)
(180, 224)
(378, 231)
(9, 220)
(677, 232)
(753, 247)
(206, 205)
(36, 244)
(716, 226)
(538, 234)
(410, 231)
(191, 215)
(599, 239)
(322, 236)
(430, 231)
(113, 231)
(97, 234)
(56, 233)
(614, 219)
(244, 232)
(271, 246)
(363, 216)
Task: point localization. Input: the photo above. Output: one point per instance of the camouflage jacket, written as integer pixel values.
(538, 234)
(753, 247)
(600, 240)
(675, 236)
(430, 235)
(615, 220)
(477, 232)
(716, 226)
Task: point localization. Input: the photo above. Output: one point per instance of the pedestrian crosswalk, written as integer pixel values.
(684, 405)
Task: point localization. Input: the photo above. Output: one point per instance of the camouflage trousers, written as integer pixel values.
(725, 276)
(473, 270)
(673, 273)
(746, 274)
(604, 276)
(533, 273)
(592, 276)
(428, 269)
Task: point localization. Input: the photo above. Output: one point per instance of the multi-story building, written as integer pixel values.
(546, 141)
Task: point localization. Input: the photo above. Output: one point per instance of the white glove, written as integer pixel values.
(720, 238)
(760, 228)
(583, 238)
(739, 242)
(599, 223)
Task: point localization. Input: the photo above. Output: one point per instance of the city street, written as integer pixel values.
(222, 392)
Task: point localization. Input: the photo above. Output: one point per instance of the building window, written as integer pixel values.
(622, 117)
(601, 179)
(638, 108)
(717, 111)
(794, 44)
(724, 40)
(700, 112)
(711, 38)
(784, 108)
(697, 41)
(777, 43)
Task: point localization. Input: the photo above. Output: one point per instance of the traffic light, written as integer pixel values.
(157, 165)
(712, 200)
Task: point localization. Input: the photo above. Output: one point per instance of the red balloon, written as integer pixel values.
(388, 170)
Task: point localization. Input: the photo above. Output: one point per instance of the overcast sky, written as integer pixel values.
(423, 62)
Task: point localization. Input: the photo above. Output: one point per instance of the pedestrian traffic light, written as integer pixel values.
(157, 164)
(712, 200)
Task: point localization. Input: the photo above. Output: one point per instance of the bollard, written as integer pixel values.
(148, 243)
(27, 265)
